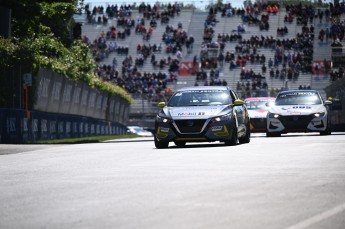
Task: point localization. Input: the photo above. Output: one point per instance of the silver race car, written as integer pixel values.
(202, 114)
(299, 111)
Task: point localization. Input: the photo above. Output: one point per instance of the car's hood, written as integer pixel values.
(260, 113)
(298, 109)
(195, 112)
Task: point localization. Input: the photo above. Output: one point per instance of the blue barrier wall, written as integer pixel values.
(16, 127)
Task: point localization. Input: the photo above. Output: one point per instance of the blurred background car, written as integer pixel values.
(257, 109)
(139, 131)
(299, 111)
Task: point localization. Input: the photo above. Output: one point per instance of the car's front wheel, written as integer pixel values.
(234, 138)
(272, 134)
(246, 138)
(328, 129)
(161, 145)
(180, 144)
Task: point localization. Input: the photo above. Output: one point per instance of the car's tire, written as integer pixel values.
(246, 138)
(161, 145)
(234, 138)
(180, 144)
(270, 134)
(328, 130)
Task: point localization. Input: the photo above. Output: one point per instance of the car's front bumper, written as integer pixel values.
(258, 124)
(199, 131)
(296, 123)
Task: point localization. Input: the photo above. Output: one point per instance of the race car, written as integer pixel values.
(299, 111)
(138, 130)
(202, 114)
(257, 109)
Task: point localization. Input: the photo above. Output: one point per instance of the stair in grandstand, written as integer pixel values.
(228, 25)
(196, 29)
(322, 51)
(233, 76)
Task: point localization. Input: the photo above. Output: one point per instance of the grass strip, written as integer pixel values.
(94, 139)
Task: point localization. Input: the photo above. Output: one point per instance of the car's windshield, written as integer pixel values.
(258, 104)
(298, 98)
(200, 98)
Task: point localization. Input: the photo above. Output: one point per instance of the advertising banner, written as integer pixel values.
(187, 68)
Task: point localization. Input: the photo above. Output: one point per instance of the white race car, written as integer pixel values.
(257, 109)
(139, 131)
(299, 111)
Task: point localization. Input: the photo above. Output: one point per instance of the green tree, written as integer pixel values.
(42, 36)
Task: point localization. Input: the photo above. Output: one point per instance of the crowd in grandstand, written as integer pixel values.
(292, 56)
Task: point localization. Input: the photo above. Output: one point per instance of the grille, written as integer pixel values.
(296, 122)
(190, 125)
(258, 123)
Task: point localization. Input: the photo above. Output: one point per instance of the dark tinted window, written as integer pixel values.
(258, 104)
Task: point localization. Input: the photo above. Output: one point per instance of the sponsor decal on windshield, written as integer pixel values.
(202, 91)
(298, 93)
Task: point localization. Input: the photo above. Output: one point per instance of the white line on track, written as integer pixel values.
(318, 218)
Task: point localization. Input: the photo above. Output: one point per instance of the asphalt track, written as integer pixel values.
(295, 181)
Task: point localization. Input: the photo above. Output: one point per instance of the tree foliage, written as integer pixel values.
(42, 37)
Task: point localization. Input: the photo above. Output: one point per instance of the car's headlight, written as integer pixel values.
(162, 119)
(273, 115)
(319, 114)
(222, 118)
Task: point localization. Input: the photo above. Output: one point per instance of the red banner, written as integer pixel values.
(188, 68)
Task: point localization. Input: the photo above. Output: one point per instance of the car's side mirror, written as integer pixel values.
(238, 102)
(161, 104)
(336, 104)
(327, 102)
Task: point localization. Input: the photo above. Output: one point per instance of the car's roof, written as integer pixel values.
(203, 88)
(259, 98)
(289, 91)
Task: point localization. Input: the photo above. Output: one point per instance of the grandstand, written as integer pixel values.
(192, 22)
